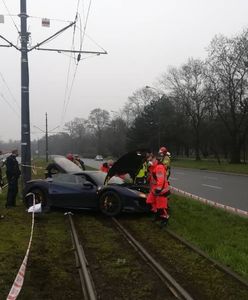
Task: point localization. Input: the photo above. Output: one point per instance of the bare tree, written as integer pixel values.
(228, 83)
(136, 103)
(187, 87)
(76, 128)
(98, 121)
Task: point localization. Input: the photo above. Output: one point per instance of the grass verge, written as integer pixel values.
(51, 272)
(220, 234)
(51, 265)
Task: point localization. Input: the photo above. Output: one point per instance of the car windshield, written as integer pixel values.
(67, 165)
(99, 178)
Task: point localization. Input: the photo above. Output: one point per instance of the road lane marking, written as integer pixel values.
(173, 178)
(213, 178)
(213, 186)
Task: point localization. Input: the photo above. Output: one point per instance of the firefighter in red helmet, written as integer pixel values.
(159, 190)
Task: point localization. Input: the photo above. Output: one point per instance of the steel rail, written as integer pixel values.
(87, 286)
(172, 284)
(220, 266)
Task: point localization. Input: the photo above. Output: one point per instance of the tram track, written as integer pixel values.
(174, 290)
(178, 291)
(86, 281)
(179, 285)
(221, 278)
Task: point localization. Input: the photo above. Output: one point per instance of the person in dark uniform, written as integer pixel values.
(12, 173)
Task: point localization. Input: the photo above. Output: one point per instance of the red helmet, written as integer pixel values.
(162, 150)
(69, 156)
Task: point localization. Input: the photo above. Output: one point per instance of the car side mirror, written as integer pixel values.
(88, 184)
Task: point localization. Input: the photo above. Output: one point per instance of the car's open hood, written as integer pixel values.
(130, 163)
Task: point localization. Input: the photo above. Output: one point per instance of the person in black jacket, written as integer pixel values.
(12, 173)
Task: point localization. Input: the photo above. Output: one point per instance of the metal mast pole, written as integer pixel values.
(25, 122)
(46, 140)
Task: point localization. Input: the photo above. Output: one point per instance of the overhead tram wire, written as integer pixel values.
(69, 67)
(12, 96)
(10, 16)
(81, 46)
(24, 48)
(12, 108)
(68, 75)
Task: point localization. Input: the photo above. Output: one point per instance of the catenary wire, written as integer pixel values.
(12, 96)
(8, 103)
(69, 68)
(67, 79)
(10, 15)
(75, 71)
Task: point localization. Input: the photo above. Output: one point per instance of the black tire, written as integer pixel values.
(110, 204)
(40, 197)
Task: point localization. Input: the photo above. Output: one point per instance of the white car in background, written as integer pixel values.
(99, 158)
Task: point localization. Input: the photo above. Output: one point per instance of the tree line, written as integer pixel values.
(199, 109)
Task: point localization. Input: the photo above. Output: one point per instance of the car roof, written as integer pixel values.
(66, 165)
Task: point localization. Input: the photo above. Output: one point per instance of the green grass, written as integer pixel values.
(211, 165)
(51, 265)
(220, 234)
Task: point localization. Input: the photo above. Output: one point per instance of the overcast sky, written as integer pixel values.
(143, 38)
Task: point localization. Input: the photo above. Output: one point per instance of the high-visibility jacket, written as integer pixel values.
(159, 181)
(159, 187)
(143, 171)
(167, 163)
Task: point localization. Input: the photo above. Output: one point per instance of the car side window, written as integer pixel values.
(65, 178)
(80, 179)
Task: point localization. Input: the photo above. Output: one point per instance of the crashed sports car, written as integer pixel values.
(68, 186)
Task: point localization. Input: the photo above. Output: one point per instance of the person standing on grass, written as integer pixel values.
(12, 173)
(159, 190)
(166, 160)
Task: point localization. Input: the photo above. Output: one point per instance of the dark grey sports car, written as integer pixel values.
(67, 186)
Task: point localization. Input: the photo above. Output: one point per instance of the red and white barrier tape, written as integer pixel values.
(212, 203)
(17, 285)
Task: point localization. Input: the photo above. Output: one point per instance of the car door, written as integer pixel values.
(72, 191)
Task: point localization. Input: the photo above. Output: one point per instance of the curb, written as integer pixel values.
(231, 209)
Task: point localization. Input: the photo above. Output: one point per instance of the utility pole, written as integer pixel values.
(25, 117)
(46, 140)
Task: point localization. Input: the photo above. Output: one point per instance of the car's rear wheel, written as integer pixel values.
(110, 204)
(40, 197)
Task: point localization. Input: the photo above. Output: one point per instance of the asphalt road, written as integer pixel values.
(227, 189)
